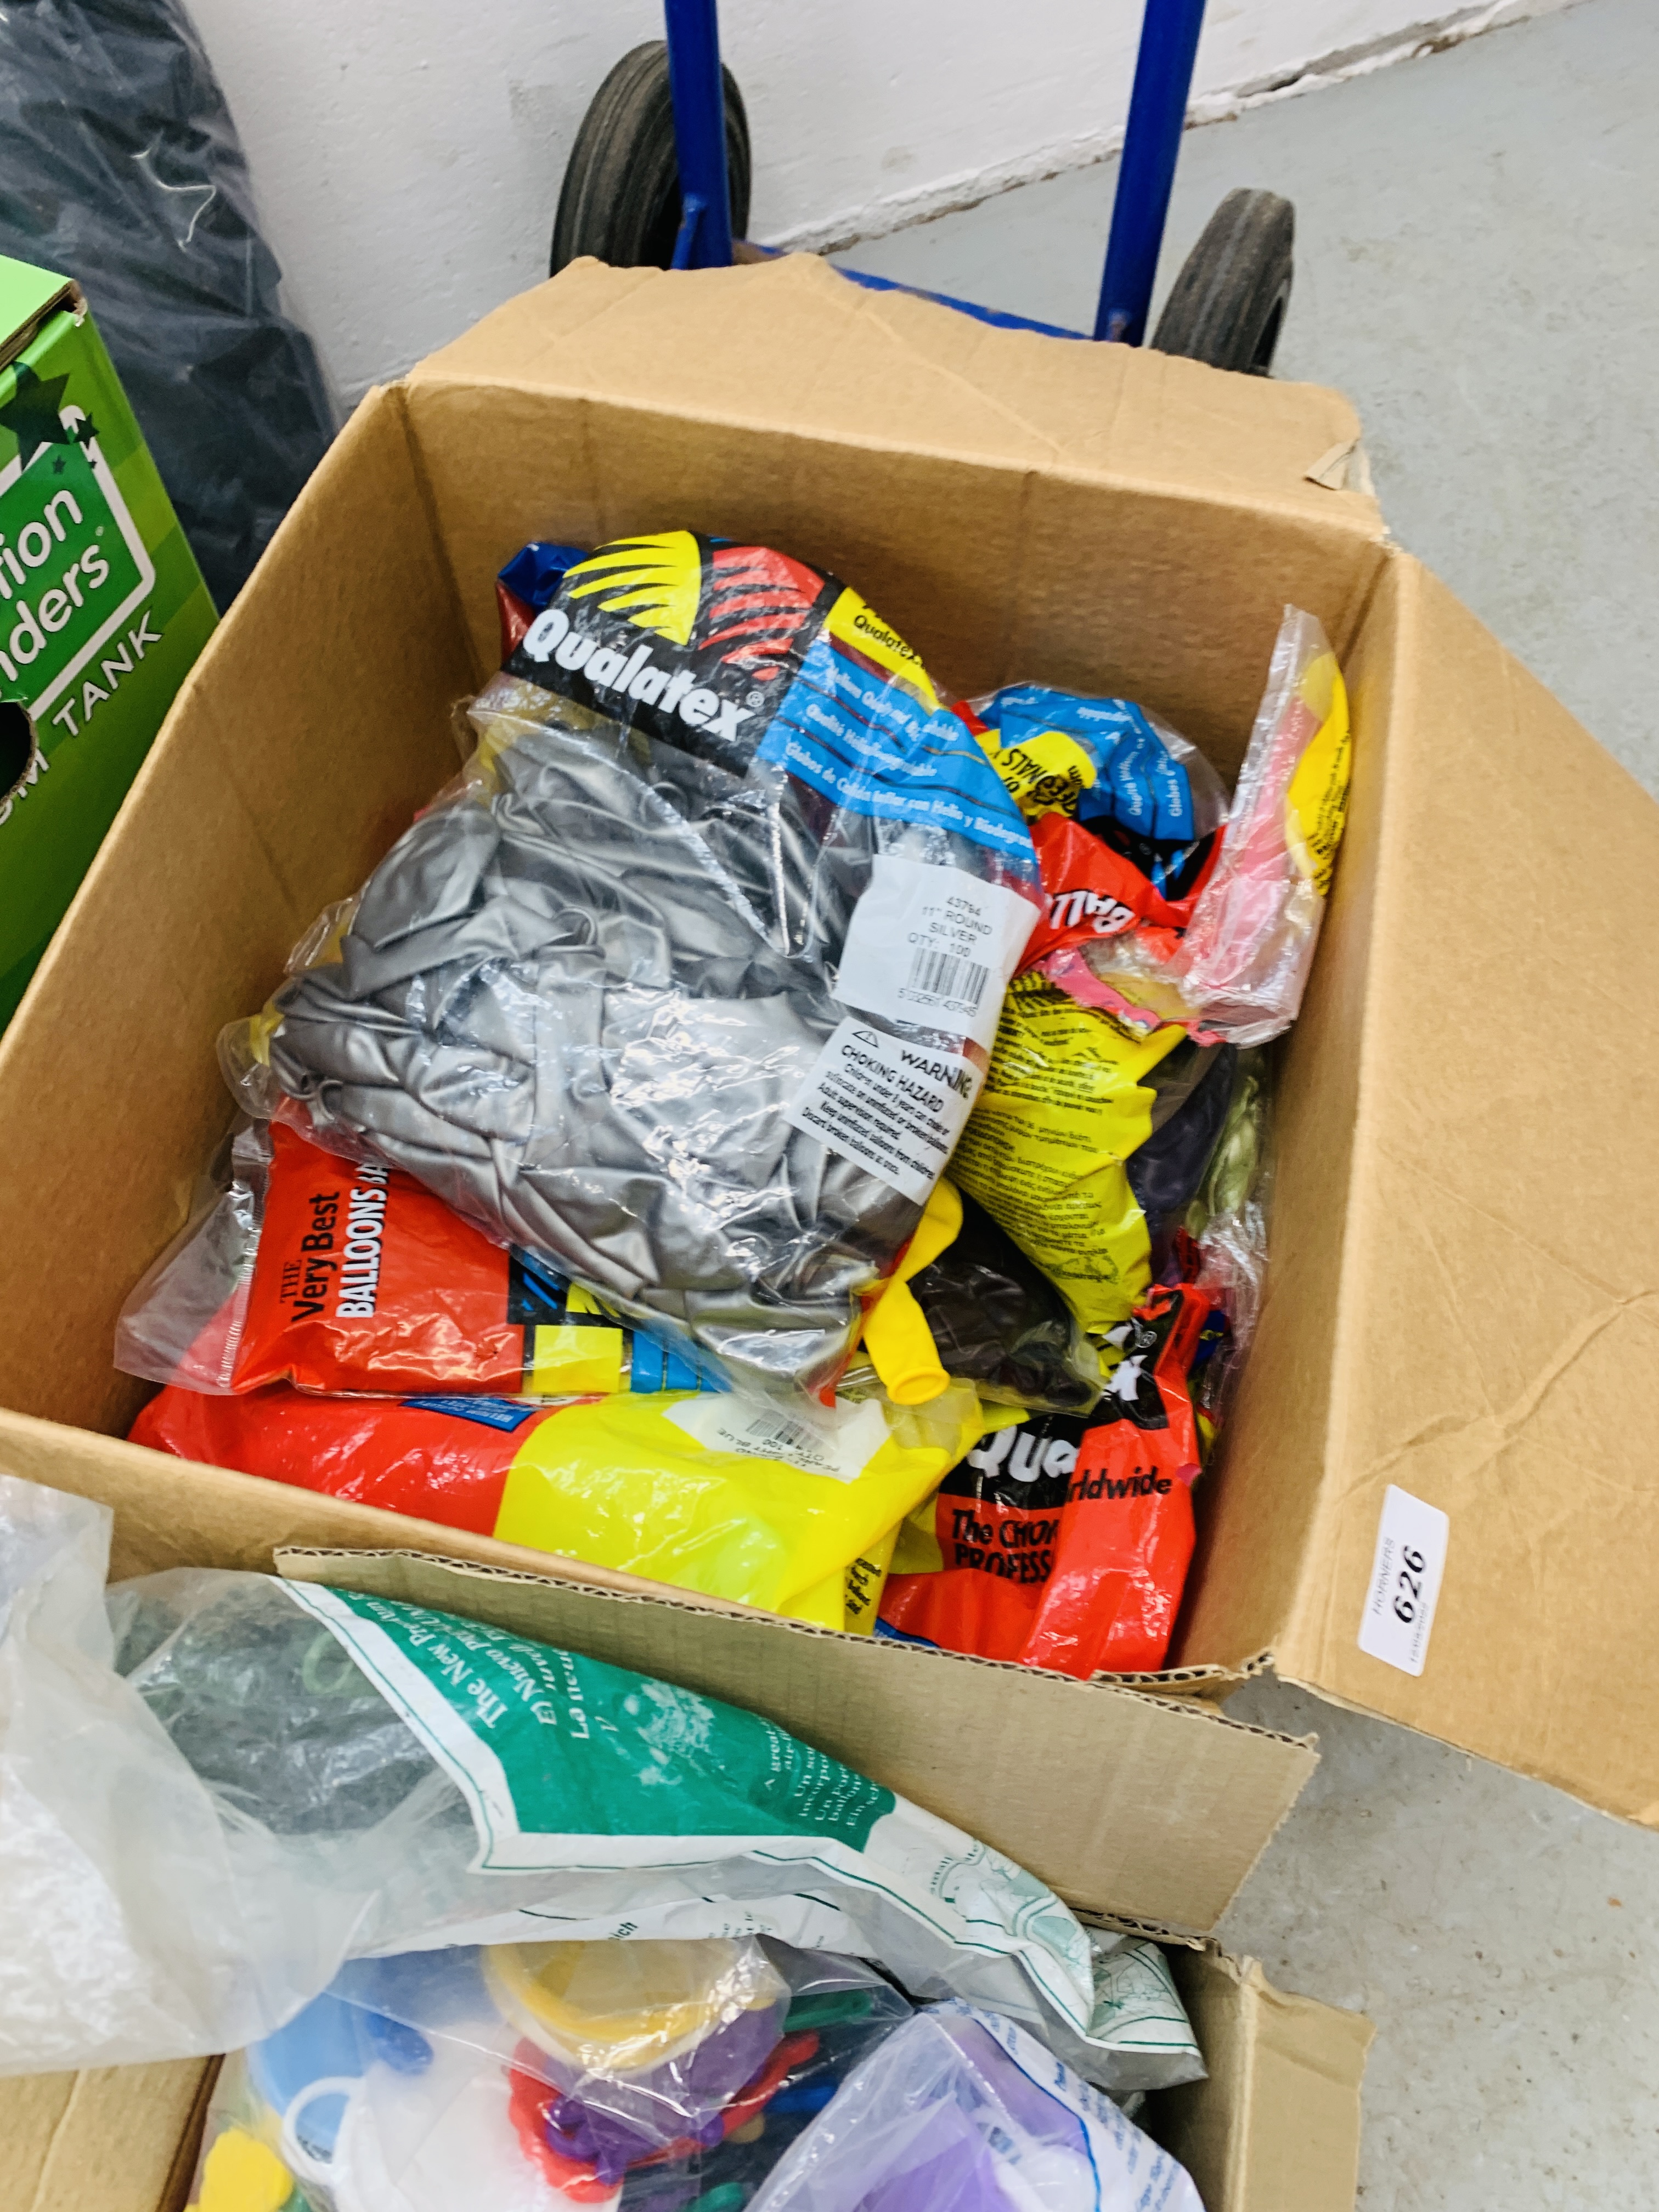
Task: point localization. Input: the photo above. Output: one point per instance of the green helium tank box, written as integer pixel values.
(102, 607)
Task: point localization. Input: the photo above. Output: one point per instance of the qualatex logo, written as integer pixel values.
(620, 671)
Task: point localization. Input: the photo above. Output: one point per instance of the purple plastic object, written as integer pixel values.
(616, 2122)
(961, 2176)
(962, 2110)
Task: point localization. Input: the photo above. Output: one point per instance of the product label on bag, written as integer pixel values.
(933, 947)
(735, 653)
(563, 1760)
(1405, 1583)
(894, 1107)
(840, 1442)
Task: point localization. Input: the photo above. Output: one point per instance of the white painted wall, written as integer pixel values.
(407, 153)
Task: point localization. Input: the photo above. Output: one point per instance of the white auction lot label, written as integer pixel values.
(1405, 1584)
(896, 1109)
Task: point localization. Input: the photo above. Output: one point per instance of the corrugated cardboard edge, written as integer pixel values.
(1277, 2126)
(751, 1658)
(1210, 1685)
(68, 295)
(113, 2139)
(1104, 414)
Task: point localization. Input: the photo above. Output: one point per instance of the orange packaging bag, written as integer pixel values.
(313, 1270)
(1063, 1542)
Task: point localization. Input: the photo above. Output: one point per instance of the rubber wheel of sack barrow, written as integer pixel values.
(1228, 304)
(621, 199)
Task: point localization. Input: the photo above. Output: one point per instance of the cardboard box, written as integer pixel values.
(1274, 2127)
(1465, 1217)
(102, 607)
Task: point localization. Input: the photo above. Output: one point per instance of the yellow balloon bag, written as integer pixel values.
(1072, 1095)
(794, 1508)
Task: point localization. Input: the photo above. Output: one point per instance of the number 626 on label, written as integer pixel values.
(1404, 1587)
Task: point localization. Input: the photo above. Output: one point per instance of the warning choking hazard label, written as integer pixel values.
(894, 1107)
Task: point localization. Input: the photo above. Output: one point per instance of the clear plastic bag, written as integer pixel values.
(688, 987)
(142, 1914)
(542, 2075)
(230, 1785)
(1238, 970)
(300, 1270)
(961, 2111)
(1226, 1228)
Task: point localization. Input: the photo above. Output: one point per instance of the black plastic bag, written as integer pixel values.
(120, 167)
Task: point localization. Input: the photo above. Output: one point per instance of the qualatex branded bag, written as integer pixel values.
(1061, 1542)
(688, 987)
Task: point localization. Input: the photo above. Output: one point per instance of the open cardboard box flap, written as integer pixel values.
(1458, 1299)
(1276, 2126)
(1177, 1805)
(964, 500)
(1150, 1810)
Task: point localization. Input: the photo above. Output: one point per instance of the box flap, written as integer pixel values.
(1497, 1353)
(117, 2139)
(986, 437)
(28, 296)
(792, 344)
(1150, 1808)
(1276, 2127)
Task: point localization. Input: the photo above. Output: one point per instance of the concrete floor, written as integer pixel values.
(1477, 233)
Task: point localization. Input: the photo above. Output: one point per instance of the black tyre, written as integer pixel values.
(1229, 302)
(621, 200)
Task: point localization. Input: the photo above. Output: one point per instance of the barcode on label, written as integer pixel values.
(949, 977)
(779, 1437)
(839, 1443)
(933, 947)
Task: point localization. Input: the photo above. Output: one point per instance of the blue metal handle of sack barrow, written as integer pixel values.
(1151, 142)
(699, 97)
